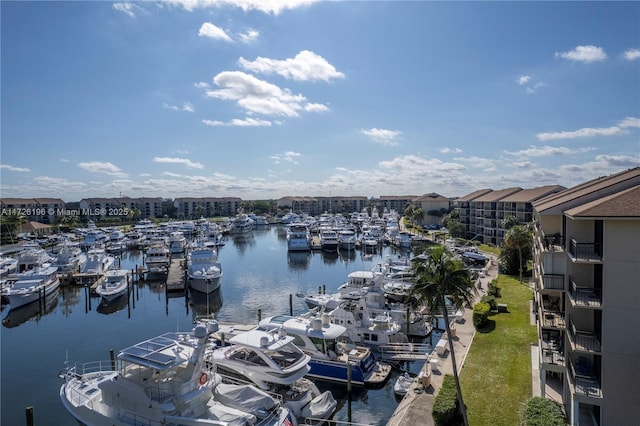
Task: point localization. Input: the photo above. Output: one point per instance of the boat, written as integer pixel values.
(298, 237)
(271, 361)
(93, 238)
(241, 224)
(258, 220)
(177, 242)
(33, 285)
(70, 258)
(115, 284)
(98, 262)
(347, 238)
(203, 269)
(329, 240)
(368, 242)
(401, 239)
(8, 265)
(31, 258)
(166, 380)
(402, 384)
(18, 316)
(331, 352)
(158, 258)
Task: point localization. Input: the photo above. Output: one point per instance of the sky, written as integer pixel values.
(261, 99)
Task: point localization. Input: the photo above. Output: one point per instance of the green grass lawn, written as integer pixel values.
(496, 378)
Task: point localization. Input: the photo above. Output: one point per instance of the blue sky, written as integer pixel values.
(261, 99)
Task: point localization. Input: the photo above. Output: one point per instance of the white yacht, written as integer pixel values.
(70, 258)
(204, 269)
(271, 361)
(8, 265)
(98, 262)
(166, 380)
(347, 237)
(158, 258)
(33, 285)
(177, 242)
(329, 240)
(32, 258)
(115, 284)
(298, 237)
(331, 351)
(241, 224)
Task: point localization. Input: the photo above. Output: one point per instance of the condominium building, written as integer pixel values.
(194, 208)
(482, 211)
(587, 298)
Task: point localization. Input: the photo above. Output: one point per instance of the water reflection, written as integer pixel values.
(114, 305)
(34, 310)
(298, 259)
(205, 303)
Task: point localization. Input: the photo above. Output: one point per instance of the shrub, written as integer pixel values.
(445, 405)
(543, 412)
(480, 314)
(491, 301)
(494, 290)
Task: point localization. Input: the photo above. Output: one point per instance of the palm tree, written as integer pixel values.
(518, 237)
(438, 275)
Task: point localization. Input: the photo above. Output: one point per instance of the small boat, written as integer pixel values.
(158, 258)
(114, 284)
(166, 380)
(177, 242)
(298, 237)
(402, 384)
(98, 261)
(70, 258)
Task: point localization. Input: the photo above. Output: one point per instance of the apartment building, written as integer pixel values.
(315, 206)
(431, 204)
(194, 208)
(587, 298)
(43, 210)
(482, 211)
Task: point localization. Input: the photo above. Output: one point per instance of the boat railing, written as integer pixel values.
(405, 351)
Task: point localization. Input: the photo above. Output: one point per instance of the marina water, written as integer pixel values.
(259, 275)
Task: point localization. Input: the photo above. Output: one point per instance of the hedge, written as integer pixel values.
(480, 314)
(445, 405)
(543, 412)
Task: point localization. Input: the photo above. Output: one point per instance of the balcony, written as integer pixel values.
(583, 380)
(552, 282)
(553, 242)
(552, 319)
(584, 297)
(552, 348)
(584, 252)
(583, 341)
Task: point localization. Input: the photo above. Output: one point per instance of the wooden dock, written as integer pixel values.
(176, 280)
(316, 244)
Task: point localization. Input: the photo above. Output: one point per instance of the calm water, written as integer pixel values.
(259, 274)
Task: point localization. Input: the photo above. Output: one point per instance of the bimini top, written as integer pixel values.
(261, 339)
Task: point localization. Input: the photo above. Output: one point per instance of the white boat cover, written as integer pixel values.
(321, 407)
(244, 397)
(230, 416)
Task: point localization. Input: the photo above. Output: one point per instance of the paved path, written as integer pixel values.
(416, 407)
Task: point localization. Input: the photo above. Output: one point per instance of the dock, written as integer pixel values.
(176, 278)
(316, 244)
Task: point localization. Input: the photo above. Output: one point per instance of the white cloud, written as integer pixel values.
(64, 160)
(446, 150)
(258, 96)
(190, 164)
(289, 156)
(274, 7)
(209, 30)
(632, 54)
(14, 169)
(102, 167)
(202, 85)
(620, 129)
(383, 136)
(316, 107)
(523, 79)
(584, 54)
(127, 7)
(236, 122)
(249, 36)
(305, 66)
(544, 151)
(186, 106)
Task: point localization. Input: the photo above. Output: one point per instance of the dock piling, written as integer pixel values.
(29, 414)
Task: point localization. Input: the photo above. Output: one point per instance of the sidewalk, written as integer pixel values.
(417, 405)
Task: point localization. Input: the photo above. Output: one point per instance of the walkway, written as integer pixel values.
(416, 407)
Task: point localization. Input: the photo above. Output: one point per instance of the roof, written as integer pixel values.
(623, 204)
(530, 195)
(432, 197)
(496, 195)
(13, 201)
(594, 186)
(473, 195)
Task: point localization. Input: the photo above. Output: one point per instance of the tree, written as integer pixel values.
(509, 222)
(518, 238)
(11, 222)
(439, 275)
(418, 215)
